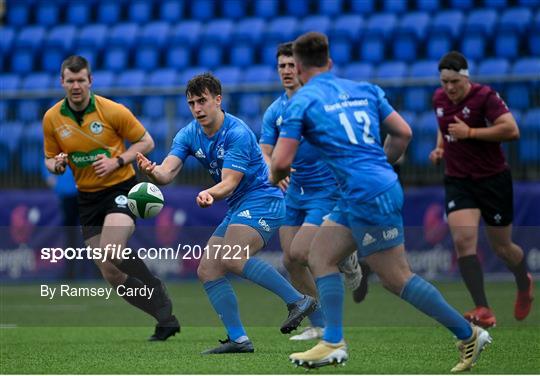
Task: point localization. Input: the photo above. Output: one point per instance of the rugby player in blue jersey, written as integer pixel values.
(342, 119)
(228, 149)
(311, 193)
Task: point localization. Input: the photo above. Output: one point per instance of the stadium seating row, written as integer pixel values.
(24, 12)
(24, 144)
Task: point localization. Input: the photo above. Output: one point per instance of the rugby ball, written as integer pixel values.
(145, 200)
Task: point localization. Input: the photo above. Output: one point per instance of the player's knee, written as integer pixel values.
(464, 241)
(233, 265)
(209, 271)
(299, 255)
(113, 275)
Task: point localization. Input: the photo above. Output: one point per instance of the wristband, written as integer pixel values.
(120, 161)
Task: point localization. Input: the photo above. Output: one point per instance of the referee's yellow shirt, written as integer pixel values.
(105, 126)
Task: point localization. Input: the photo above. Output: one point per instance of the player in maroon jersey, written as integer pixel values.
(473, 121)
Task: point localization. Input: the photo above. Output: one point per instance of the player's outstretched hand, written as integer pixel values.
(204, 199)
(436, 155)
(60, 163)
(104, 165)
(145, 165)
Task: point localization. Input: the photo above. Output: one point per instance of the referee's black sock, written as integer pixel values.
(473, 276)
(141, 302)
(135, 267)
(520, 274)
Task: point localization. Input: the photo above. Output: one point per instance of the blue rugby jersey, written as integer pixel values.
(234, 146)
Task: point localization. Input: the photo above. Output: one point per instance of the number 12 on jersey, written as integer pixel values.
(362, 119)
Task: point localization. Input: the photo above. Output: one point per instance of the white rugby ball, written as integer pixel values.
(145, 200)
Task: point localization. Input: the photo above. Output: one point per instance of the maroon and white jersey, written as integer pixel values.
(471, 158)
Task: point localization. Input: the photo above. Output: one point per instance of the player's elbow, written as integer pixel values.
(514, 134)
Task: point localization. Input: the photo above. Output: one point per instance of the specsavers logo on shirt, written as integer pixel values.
(81, 159)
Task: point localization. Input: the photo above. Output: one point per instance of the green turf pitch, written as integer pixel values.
(385, 335)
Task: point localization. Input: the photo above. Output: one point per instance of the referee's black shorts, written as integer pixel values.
(494, 196)
(94, 206)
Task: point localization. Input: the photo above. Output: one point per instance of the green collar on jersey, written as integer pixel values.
(66, 110)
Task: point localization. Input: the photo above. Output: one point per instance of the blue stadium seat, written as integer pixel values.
(92, 36)
(533, 40)
(18, 14)
(438, 44)
(340, 51)
(297, 8)
(159, 130)
(218, 31)
(473, 46)
(531, 120)
(31, 145)
(78, 13)
(140, 11)
(425, 136)
(268, 54)
(408, 35)
(318, 23)
(529, 144)
(493, 67)
(203, 10)
(147, 58)
(425, 69)
(22, 61)
(10, 135)
(229, 75)
(450, 21)
(358, 71)
(281, 29)
(518, 96)
(115, 59)
(428, 5)
(372, 49)
(133, 78)
(191, 72)
(381, 24)
(527, 66)
(163, 77)
(62, 37)
(28, 110)
(330, 8)
(481, 21)
(414, 22)
(186, 33)
(362, 6)
(171, 10)
(249, 104)
(155, 34)
(242, 55)
(395, 70)
(418, 98)
(409, 117)
(249, 30)
(210, 55)
(394, 6)
(47, 14)
(404, 47)
(36, 81)
(233, 9)
(177, 57)
(495, 4)
(260, 74)
(266, 9)
(516, 19)
(31, 37)
(103, 79)
(9, 81)
(6, 42)
(506, 44)
(4, 105)
(123, 35)
(529, 3)
(348, 26)
(462, 4)
(153, 107)
(108, 12)
(183, 108)
(89, 54)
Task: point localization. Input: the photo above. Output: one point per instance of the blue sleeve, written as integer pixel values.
(269, 133)
(293, 118)
(384, 106)
(237, 150)
(181, 145)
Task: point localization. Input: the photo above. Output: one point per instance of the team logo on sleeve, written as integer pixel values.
(220, 152)
(466, 112)
(199, 154)
(440, 112)
(279, 121)
(64, 131)
(96, 127)
(121, 201)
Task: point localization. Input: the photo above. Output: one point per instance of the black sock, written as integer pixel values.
(473, 276)
(520, 274)
(135, 267)
(141, 302)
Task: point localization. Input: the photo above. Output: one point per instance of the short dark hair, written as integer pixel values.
(202, 82)
(453, 60)
(75, 63)
(311, 49)
(285, 49)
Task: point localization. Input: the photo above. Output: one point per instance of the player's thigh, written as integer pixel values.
(117, 228)
(301, 243)
(464, 229)
(392, 267)
(210, 267)
(331, 244)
